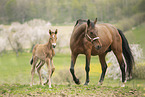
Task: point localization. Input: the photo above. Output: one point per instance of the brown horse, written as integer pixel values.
(94, 39)
(45, 53)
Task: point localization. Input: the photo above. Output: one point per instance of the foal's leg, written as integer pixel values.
(33, 68)
(104, 67)
(122, 66)
(38, 70)
(87, 68)
(49, 71)
(52, 67)
(52, 70)
(73, 60)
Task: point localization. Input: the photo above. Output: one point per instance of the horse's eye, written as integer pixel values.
(91, 32)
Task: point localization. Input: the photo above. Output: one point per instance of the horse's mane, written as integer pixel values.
(80, 28)
(82, 21)
(78, 31)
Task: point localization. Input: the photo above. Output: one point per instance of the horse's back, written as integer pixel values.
(39, 50)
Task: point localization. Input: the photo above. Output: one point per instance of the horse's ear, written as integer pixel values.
(88, 22)
(50, 32)
(95, 21)
(56, 31)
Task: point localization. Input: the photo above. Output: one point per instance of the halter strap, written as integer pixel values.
(86, 35)
(91, 39)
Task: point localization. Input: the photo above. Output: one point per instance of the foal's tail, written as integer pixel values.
(31, 61)
(127, 53)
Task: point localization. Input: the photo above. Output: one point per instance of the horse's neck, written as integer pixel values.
(49, 45)
(78, 31)
(49, 49)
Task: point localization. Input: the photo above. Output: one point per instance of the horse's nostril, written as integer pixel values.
(53, 46)
(98, 47)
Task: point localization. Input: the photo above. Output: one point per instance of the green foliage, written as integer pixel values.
(128, 23)
(68, 11)
(139, 71)
(136, 36)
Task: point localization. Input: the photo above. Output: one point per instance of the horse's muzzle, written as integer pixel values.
(53, 45)
(98, 47)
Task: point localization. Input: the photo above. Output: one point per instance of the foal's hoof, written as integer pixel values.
(100, 83)
(46, 83)
(77, 81)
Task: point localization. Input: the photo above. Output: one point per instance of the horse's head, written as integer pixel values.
(53, 38)
(91, 34)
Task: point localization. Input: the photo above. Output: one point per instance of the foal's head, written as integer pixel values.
(91, 34)
(53, 38)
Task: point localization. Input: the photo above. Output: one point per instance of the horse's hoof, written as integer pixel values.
(86, 84)
(31, 84)
(123, 85)
(100, 83)
(77, 81)
(50, 86)
(45, 83)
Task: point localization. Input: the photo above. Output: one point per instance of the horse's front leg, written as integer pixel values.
(73, 60)
(87, 68)
(52, 67)
(104, 67)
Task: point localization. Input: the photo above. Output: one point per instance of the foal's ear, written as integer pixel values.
(88, 22)
(56, 31)
(50, 32)
(95, 21)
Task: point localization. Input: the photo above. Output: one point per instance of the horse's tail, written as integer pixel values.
(127, 53)
(31, 61)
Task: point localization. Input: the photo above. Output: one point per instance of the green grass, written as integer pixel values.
(15, 78)
(65, 90)
(137, 36)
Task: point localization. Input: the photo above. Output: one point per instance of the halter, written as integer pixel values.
(91, 39)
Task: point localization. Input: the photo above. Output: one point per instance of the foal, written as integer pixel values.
(45, 53)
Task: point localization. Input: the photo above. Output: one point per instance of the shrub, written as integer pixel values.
(114, 71)
(139, 71)
(63, 76)
(127, 23)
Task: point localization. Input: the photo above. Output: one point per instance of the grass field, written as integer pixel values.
(15, 78)
(136, 36)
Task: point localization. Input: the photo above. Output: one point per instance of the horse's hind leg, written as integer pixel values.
(73, 60)
(33, 68)
(52, 71)
(104, 67)
(38, 70)
(49, 71)
(122, 65)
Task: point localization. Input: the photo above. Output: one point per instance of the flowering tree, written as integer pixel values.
(114, 70)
